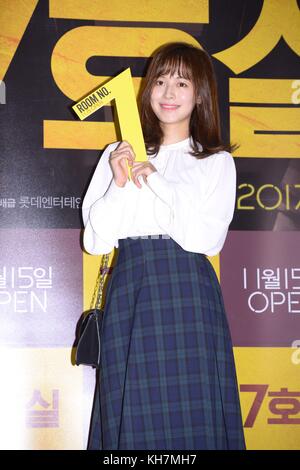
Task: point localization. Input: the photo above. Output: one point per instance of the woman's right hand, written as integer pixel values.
(118, 162)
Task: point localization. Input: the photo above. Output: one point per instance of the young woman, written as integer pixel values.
(167, 377)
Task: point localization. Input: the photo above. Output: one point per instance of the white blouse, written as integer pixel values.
(191, 200)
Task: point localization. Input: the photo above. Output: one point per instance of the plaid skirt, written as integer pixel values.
(167, 377)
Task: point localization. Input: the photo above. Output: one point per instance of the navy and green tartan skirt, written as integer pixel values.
(167, 377)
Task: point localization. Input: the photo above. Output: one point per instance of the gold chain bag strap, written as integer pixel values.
(88, 346)
(98, 292)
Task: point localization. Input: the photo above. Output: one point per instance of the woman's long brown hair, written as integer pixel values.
(195, 65)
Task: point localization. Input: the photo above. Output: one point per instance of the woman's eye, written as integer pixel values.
(159, 82)
(182, 84)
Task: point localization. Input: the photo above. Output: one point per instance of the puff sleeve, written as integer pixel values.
(102, 208)
(196, 210)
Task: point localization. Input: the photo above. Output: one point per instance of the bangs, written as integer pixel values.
(174, 64)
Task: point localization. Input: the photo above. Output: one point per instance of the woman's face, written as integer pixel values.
(173, 99)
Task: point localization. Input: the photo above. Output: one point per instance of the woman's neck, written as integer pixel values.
(174, 134)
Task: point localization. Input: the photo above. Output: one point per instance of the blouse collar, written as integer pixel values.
(186, 143)
(176, 145)
(182, 144)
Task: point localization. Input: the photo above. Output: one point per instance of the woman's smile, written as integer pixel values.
(169, 107)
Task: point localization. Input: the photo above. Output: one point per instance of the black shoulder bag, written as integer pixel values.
(88, 346)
